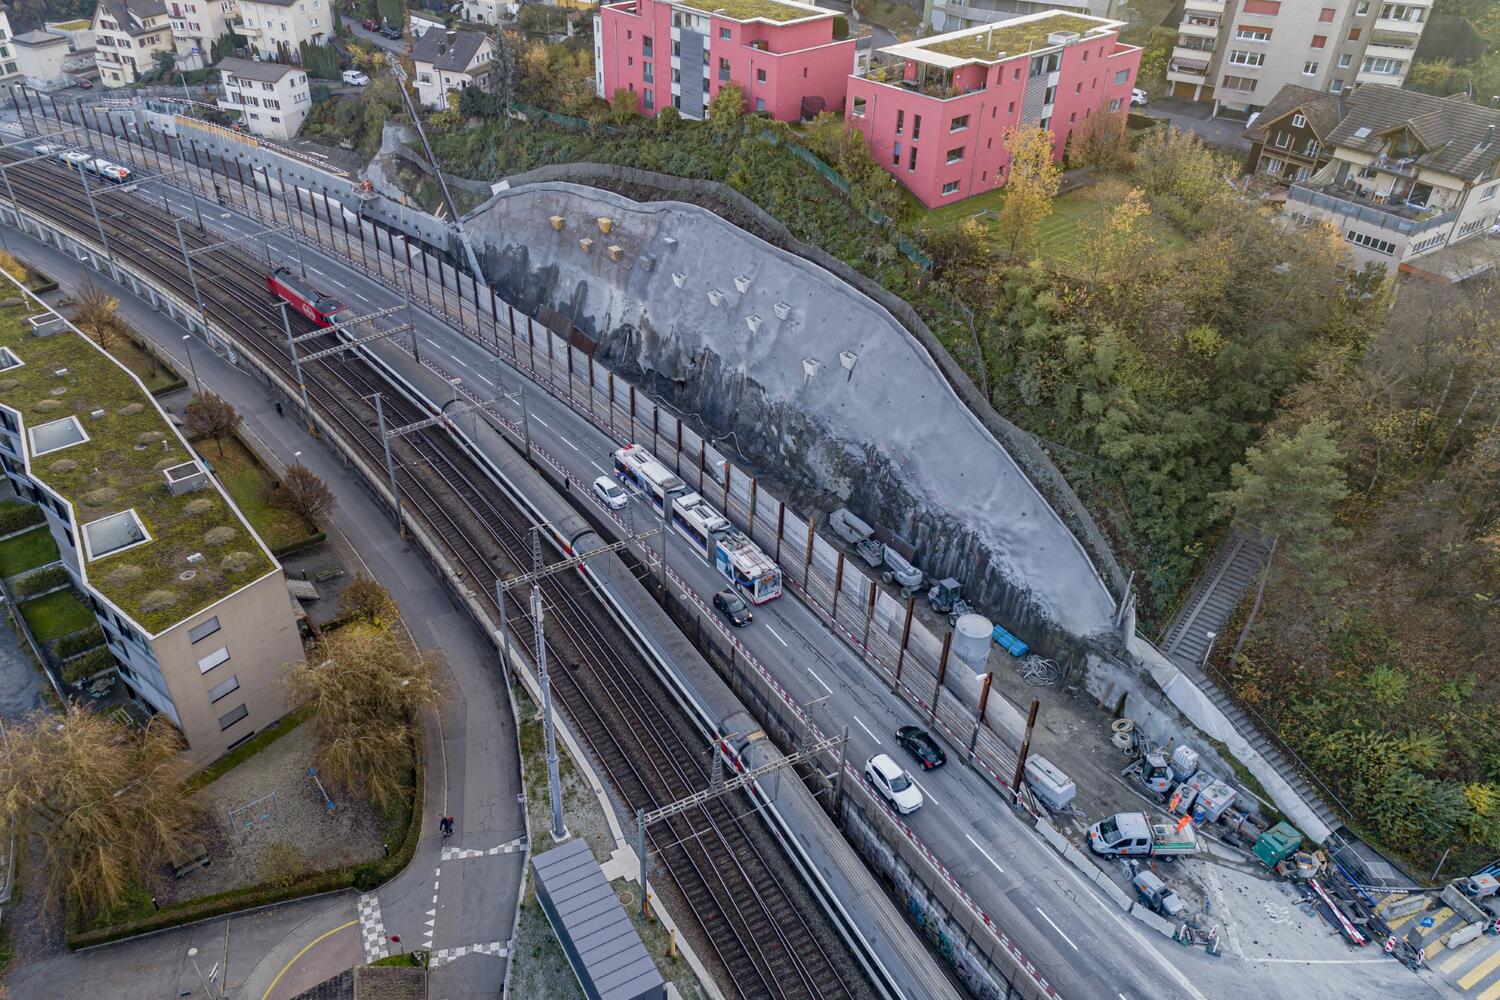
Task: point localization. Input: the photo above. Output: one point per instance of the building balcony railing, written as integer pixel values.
(1188, 67)
(1209, 31)
(1378, 49)
(1213, 6)
(1407, 220)
(1409, 28)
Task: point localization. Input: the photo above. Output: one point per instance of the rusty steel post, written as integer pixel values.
(812, 521)
(869, 618)
(780, 528)
(838, 582)
(1015, 785)
(937, 692)
(750, 532)
(911, 604)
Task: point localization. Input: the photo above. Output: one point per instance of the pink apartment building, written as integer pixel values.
(783, 54)
(937, 119)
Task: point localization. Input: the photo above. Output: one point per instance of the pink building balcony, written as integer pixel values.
(936, 116)
(791, 59)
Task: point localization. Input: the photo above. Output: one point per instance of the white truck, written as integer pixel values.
(1134, 835)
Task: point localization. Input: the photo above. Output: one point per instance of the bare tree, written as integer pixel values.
(209, 415)
(304, 493)
(97, 314)
(104, 801)
(365, 686)
(365, 600)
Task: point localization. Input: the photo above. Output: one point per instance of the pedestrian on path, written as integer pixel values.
(446, 825)
(279, 411)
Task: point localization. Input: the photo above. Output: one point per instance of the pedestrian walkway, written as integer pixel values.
(1473, 968)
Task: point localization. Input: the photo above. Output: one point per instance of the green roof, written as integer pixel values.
(1010, 39)
(77, 25)
(748, 10)
(120, 467)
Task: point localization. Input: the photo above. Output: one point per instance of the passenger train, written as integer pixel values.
(323, 310)
(735, 556)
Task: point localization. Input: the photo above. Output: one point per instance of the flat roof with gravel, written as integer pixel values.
(95, 437)
(999, 40)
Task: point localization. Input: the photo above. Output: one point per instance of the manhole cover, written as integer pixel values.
(626, 898)
(187, 575)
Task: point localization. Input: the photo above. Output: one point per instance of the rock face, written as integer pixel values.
(815, 384)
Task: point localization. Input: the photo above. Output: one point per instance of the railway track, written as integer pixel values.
(757, 921)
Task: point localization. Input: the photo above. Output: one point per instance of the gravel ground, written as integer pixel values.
(350, 836)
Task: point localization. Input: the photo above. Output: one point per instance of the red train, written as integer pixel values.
(324, 310)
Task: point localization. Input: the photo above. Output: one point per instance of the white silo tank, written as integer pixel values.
(971, 640)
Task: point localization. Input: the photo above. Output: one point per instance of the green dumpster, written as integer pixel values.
(1277, 844)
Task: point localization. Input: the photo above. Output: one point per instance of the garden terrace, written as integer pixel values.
(117, 468)
(1002, 40)
(760, 10)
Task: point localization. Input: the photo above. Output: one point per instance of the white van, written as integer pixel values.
(355, 78)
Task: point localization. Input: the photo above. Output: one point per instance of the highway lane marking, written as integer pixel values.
(986, 854)
(314, 270)
(567, 442)
(923, 789)
(776, 634)
(459, 360)
(305, 948)
(817, 678)
(597, 466)
(865, 728)
(1057, 928)
(540, 420)
(486, 381)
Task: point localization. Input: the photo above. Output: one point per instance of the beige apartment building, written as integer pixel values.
(1240, 53)
(128, 36)
(196, 25)
(273, 99)
(276, 29)
(193, 606)
(8, 66)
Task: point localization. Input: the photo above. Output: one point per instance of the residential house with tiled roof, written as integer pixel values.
(450, 60)
(129, 38)
(1412, 181)
(1289, 139)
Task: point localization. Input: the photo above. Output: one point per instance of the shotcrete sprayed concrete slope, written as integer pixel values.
(889, 435)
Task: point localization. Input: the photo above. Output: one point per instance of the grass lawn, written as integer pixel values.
(158, 377)
(250, 486)
(56, 615)
(34, 548)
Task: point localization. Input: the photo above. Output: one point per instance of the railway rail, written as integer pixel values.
(756, 920)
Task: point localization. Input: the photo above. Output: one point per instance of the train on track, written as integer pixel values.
(78, 160)
(323, 310)
(735, 556)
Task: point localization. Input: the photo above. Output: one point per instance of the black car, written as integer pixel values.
(922, 746)
(733, 607)
(391, 31)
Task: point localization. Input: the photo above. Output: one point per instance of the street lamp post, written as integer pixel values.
(193, 956)
(291, 343)
(1212, 636)
(187, 342)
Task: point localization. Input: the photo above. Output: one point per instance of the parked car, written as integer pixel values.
(734, 607)
(370, 24)
(920, 744)
(83, 83)
(610, 493)
(893, 784)
(1138, 98)
(355, 78)
(391, 31)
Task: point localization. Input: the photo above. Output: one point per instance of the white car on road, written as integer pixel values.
(355, 78)
(893, 784)
(1138, 98)
(610, 493)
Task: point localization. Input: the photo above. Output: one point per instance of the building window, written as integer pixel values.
(1049, 95)
(1010, 110)
(911, 162)
(223, 689)
(1382, 66)
(646, 46)
(1489, 192)
(1239, 57)
(1283, 140)
(1326, 15)
(649, 96)
(1312, 148)
(1353, 34)
(1240, 83)
(1122, 77)
(760, 76)
(232, 716)
(1371, 243)
(916, 127)
(218, 657)
(900, 122)
(857, 107)
(950, 188)
(956, 155)
(960, 124)
(1245, 34)
(648, 72)
(1362, 8)
(1309, 69)
(896, 155)
(724, 33)
(203, 630)
(1114, 105)
(760, 104)
(1318, 41)
(723, 69)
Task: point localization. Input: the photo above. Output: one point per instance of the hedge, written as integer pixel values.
(42, 579)
(300, 544)
(15, 515)
(82, 667)
(362, 877)
(78, 642)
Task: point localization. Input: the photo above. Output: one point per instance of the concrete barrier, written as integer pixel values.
(1157, 923)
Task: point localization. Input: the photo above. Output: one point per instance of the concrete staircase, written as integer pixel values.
(1231, 573)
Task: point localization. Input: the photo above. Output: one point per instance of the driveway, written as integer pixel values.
(1194, 116)
(374, 37)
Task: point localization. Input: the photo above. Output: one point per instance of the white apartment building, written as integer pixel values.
(273, 99)
(276, 29)
(8, 65)
(1240, 53)
(485, 11)
(128, 37)
(196, 25)
(1413, 182)
(451, 60)
(40, 56)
